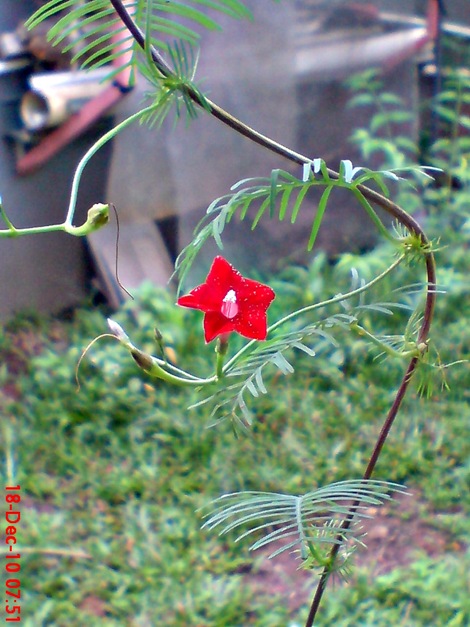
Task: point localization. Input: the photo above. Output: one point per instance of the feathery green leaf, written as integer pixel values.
(309, 521)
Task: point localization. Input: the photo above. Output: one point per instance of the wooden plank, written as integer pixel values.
(142, 256)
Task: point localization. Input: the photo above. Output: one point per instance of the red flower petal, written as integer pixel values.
(253, 325)
(223, 275)
(230, 302)
(201, 297)
(216, 324)
(257, 294)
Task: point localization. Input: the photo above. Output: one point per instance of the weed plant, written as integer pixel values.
(116, 476)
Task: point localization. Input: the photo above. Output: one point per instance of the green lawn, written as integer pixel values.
(112, 476)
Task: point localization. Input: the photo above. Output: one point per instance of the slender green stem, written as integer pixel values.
(177, 372)
(386, 348)
(32, 230)
(152, 366)
(221, 350)
(219, 367)
(5, 218)
(92, 151)
(97, 216)
(339, 297)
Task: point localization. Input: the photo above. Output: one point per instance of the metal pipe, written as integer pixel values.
(55, 96)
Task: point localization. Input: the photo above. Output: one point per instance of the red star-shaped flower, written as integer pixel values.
(230, 302)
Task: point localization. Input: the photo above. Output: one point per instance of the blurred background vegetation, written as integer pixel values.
(112, 476)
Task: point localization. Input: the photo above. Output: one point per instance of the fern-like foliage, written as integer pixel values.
(281, 193)
(310, 523)
(245, 374)
(91, 28)
(229, 401)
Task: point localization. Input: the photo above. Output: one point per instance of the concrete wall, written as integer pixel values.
(44, 272)
(250, 70)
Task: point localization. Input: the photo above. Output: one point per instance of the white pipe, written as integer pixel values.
(341, 58)
(55, 96)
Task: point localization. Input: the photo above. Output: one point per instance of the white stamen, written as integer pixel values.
(229, 305)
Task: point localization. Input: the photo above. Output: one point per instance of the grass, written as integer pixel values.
(112, 476)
